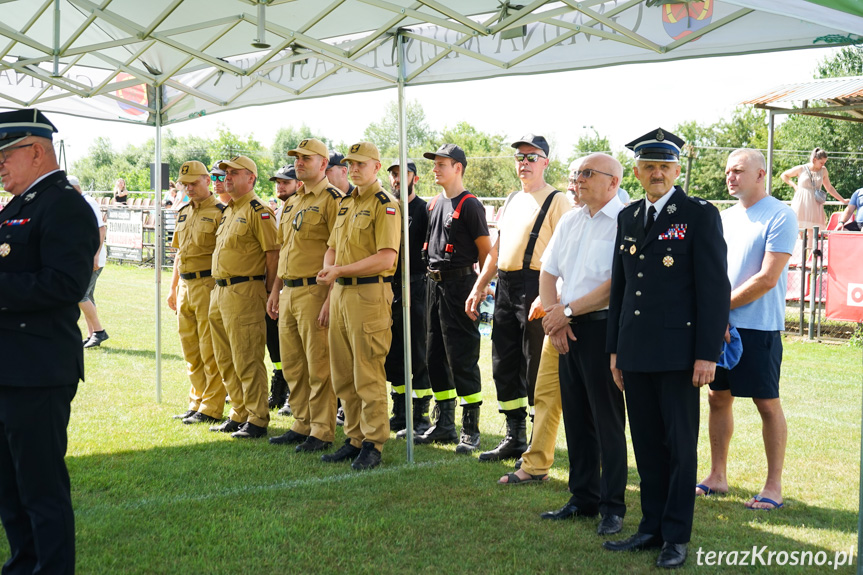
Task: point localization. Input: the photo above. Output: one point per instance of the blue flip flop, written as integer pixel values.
(707, 491)
(765, 500)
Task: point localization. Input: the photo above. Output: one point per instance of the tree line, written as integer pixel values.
(491, 171)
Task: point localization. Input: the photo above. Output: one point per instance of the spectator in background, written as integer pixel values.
(217, 176)
(121, 194)
(853, 209)
(808, 202)
(337, 173)
(96, 334)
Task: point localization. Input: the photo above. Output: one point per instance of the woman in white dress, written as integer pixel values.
(808, 202)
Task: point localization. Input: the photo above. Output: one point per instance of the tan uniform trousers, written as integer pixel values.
(207, 393)
(239, 340)
(539, 457)
(360, 337)
(305, 353)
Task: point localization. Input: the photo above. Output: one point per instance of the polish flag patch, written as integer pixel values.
(265, 216)
(391, 211)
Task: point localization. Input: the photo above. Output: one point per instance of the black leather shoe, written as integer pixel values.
(230, 426)
(672, 556)
(250, 431)
(199, 417)
(568, 511)
(287, 438)
(610, 524)
(184, 415)
(346, 452)
(369, 458)
(313, 444)
(637, 542)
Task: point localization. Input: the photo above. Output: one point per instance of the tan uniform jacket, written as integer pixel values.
(306, 222)
(195, 237)
(246, 232)
(371, 208)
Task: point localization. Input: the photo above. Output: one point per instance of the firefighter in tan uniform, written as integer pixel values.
(361, 260)
(244, 267)
(303, 307)
(195, 240)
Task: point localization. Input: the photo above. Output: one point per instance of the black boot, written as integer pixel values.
(397, 421)
(422, 423)
(515, 442)
(443, 430)
(469, 441)
(278, 389)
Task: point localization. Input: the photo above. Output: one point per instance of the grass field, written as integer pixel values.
(154, 496)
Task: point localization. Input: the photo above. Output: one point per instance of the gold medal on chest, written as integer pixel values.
(668, 261)
(632, 249)
(5, 250)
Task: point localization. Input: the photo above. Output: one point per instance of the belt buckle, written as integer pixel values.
(435, 275)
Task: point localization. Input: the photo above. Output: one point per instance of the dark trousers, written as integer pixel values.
(35, 502)
(273, 339)
(452, 349)
(395, 358)
(593, 416)
(516, 344)
(663, 420)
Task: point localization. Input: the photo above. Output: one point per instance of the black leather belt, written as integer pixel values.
(238, 280)
(196, 275)
(444, 275)
(361, 281)
(515, 274)
(300, 282)
(592, 316)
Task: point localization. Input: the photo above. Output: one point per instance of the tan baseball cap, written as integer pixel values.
(310, 147)
(363, 152)
(191, 171)
(240, 163)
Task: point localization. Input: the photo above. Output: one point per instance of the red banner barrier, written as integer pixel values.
(845, 277)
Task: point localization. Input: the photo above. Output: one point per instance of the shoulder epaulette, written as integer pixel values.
(697, 200)
(335, 193)
(383, 197)
(256, 205)
(184, 207)
(221, 206)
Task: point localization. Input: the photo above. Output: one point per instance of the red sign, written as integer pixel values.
(845, 277)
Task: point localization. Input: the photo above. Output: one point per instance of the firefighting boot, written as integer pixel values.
(421, 417)
(513, 444)
(278, 389)
(469, 441)
(397, 421)
(443, 430)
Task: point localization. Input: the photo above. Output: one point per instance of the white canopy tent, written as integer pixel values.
(165, 61)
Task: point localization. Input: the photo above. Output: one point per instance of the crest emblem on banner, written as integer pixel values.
(136, 94)
(685, 18)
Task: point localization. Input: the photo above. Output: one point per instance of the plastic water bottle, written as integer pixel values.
(486, 316)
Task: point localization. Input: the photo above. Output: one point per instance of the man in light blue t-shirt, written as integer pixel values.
(760, 232)
(855, 204)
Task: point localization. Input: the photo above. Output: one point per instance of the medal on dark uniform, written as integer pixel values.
(5, 250)
(632, 249)
(668, 261)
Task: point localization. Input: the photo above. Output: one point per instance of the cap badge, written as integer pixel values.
(303, 143)
(184, 170)
(355, 148)
(668, 261)
(671, 209)
(5, 250)
(234, 159)
(660, 135)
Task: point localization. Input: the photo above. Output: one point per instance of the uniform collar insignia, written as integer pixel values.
(30, 196)
(637, 211)
(671, 209)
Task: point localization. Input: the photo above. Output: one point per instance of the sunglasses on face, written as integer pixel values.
(530, 157)
(588, 173)
(216, 178)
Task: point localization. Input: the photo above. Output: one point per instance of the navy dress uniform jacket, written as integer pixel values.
(49, 236)
(670, 293)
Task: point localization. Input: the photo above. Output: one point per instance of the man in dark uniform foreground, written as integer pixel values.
(666, 320)
(48, 235)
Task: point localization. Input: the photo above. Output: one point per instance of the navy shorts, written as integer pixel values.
(757, 374)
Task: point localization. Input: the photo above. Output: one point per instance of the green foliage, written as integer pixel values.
(288, 139)
(385, 133)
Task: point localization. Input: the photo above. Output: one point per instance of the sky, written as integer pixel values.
(619, 102)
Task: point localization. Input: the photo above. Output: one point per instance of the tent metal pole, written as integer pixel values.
(770, 126)
(55, 73)
(405, 253)
(160, 251)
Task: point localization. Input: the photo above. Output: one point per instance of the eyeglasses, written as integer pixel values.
(216, 178)
(530, 157)
(4, 154)
(588, 173)
(297, 222)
